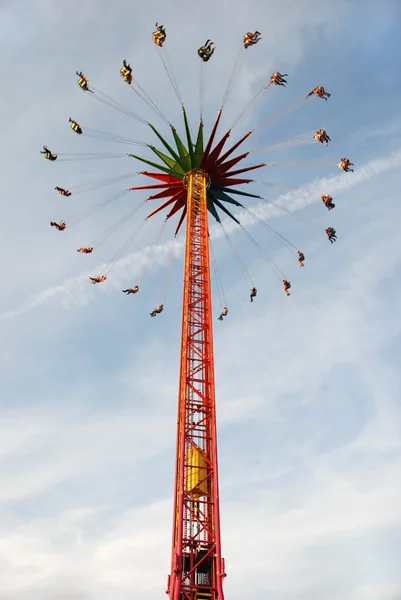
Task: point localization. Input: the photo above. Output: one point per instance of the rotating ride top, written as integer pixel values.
(194, 180)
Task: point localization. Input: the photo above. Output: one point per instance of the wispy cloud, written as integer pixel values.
(389, 129)
(308, 387)
(76, 292)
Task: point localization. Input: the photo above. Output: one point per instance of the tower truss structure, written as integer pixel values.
(195, 181)
(197, 568)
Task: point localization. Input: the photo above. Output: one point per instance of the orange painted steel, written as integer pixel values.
(197, 568)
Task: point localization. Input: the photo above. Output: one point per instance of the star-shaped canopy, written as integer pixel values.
(185, 158)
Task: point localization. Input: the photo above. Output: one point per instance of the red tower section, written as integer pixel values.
(197, 568)
(195, 181)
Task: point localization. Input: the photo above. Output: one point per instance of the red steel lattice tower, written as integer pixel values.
(197, 568)
(195, 181)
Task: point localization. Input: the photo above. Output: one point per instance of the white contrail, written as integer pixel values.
(300, 198)
(76, 291)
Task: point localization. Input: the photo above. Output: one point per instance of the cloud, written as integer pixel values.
(309, 505)
(308, 387)
(389, 129)
(75, 291)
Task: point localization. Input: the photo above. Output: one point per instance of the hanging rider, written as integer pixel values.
(157, 311)
(159, 35)
(98, 279)
(320, 92)
(331, 234)
(206, 51)
(83, 82)
(132, 290)
(286, 286)
(250, 39)
(328, 201)
(278, 79)
(126, 72)
(346, 165)
(59, 226)
(62, 191)
(75, 126)
(322, 137)
(48, 154)
(301, 258)
(223, 313)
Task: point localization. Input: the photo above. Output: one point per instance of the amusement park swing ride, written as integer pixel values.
(194, 180)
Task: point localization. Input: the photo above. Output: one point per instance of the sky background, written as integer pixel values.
(308, 387)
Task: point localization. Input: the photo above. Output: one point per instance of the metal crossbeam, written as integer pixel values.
(197, 568)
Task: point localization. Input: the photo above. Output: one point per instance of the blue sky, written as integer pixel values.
(308, 388)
